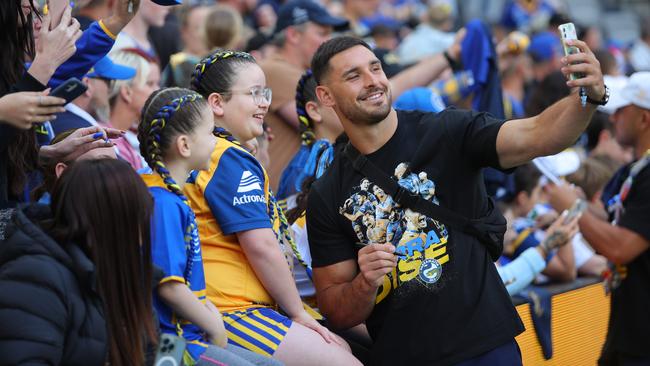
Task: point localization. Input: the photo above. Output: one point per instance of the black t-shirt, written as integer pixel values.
(446, 302)
(629, 321)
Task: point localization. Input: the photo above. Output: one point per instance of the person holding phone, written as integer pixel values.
(624, 238)
(426, 275)
(18, 153)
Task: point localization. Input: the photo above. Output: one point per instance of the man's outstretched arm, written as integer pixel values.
(560, 125)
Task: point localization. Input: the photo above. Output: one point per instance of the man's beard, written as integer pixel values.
(360, 116)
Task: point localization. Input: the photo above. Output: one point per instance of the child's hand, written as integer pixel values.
(219, 338)
(217, 335)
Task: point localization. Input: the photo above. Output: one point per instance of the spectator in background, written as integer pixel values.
(384, 37)
(135, 34)
(265, 17)
(224, 29)
(89, 11)
(561, 265)
(608, 64)
(93, 105)
(591, 178)
(127, 98)
(592, 36)
(640, 52)
(193, 30)
(626, 241)
(355, 10)
(431, 37)
(527, 16)
(302, 26)
(544, 94)
(516, 75)
(522, 271)
(546, 51)
(601, 142)
(80, 277)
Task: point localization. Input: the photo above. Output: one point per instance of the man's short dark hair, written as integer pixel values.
(329, 49)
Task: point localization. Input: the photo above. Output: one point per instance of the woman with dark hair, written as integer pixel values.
(80, 274)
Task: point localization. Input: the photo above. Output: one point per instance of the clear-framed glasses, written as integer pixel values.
(259, 94)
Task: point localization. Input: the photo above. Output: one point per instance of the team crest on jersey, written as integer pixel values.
(420, 242)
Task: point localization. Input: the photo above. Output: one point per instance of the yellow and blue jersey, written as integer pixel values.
(174, 235)
(231, 197)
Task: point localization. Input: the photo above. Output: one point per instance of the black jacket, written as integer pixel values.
(50, 312)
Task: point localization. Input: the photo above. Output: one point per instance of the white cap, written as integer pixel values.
(637, 90)
(616, 101)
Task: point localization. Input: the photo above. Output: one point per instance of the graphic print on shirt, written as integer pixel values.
(247, 184)
(420, 242)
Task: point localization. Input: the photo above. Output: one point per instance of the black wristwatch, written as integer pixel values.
(603, 101)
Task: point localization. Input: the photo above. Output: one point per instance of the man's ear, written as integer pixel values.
(59, 169)
(292, 35)
(312, 111)
(325, 96)
(182, 144)
(126, 94)
(216, 101)
(645, 121)
(89, 87)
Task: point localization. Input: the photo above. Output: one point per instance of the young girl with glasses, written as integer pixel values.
(245, 237)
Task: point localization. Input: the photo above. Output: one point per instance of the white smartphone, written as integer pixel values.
(568, 32)
(578, 207)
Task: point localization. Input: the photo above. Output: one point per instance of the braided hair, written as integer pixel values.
(208, 79)
(306, 92)
(168, 113)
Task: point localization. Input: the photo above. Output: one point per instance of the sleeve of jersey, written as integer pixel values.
(236, 195)
(637, 206)
(326, 242)
(168, 239)
(93, 45)
(475, 135)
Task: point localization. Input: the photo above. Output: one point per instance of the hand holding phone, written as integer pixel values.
(578, 208)
(69, 90)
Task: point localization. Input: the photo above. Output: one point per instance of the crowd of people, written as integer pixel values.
(309, 182)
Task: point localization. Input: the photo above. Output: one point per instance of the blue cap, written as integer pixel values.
(107, 69)
(297, 12)
(420, 99)
(544, 46)
(168, 2)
